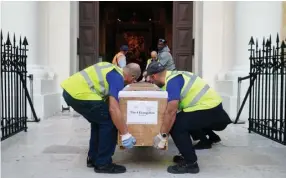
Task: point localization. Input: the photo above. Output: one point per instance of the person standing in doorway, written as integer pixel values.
(120, 58)
(154, 57)
(165, 56)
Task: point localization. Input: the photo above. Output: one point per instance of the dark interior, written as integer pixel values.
(136, 24)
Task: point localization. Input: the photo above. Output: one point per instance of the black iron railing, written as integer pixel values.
(267, 89)
(14, 92)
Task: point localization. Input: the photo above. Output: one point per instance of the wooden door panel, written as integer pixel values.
(183, 34)
(87, 60)
(184, 38)
(87, 38)
(87, 11)
(184, 12)
(88, 33)
(183, 61)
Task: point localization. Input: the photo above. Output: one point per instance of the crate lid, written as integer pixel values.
(145, 94)
(141, 86)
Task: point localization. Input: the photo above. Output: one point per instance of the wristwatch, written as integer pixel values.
(164, 135)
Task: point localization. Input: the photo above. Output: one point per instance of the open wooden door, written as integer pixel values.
(88, 33)
(183, 34)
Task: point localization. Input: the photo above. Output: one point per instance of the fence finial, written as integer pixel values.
(277, 38)
(283, 44)
(251, 42)
(14, 39)
(8, 42)
(20, 41)
(268, 43)
(25, 42)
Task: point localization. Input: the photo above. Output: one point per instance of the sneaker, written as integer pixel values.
(110, 169)
(203, 145)
(89, 162)
(183, 168)
(178, 158)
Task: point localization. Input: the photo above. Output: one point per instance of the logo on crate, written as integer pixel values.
(142, 112)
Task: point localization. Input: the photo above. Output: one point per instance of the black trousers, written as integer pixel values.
(188, 122)
(103, 134)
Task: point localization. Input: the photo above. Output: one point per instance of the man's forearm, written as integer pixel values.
(118, 121)
(168, 121)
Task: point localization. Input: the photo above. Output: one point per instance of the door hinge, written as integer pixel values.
(193, 47)
(77, 46)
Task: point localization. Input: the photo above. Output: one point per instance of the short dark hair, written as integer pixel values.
(124, 48)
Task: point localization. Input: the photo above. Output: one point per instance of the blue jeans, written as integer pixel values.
(103, 136)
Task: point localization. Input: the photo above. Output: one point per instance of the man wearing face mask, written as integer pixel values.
(200, 110)
(87, 92)
(165, 56)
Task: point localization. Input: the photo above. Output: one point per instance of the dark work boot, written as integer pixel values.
(206, 144)
(178, 158)
(110, 169)
(184, 167)
(214, 138)
(89, 162)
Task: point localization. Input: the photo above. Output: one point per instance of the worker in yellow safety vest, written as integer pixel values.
(87, 92)
(154, 58)
(120, 59)
(192, 106)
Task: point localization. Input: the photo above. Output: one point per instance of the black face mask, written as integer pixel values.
(160, 48)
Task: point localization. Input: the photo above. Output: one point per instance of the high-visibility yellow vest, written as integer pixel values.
(115, 58)
(149, 61)
(196, 94)
(90, 83)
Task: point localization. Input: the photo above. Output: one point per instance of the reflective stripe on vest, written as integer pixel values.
(149, 60)
(100, 78)
(189, 86)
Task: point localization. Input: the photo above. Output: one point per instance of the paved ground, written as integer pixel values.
(56, 148)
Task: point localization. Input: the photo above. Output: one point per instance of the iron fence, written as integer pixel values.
(267, 89)
(14, 93)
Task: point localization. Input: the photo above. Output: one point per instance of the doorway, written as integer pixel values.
(105, 26)
(136, 24)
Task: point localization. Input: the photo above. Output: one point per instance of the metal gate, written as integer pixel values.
(267, 90)
(13, 85)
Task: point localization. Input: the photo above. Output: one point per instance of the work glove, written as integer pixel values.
(128, 141)
(160, 142)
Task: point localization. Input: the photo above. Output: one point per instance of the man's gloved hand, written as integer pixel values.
(160, 142)
(128, 141)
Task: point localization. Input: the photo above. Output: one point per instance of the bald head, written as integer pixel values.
(154, 54)
(132, 69)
